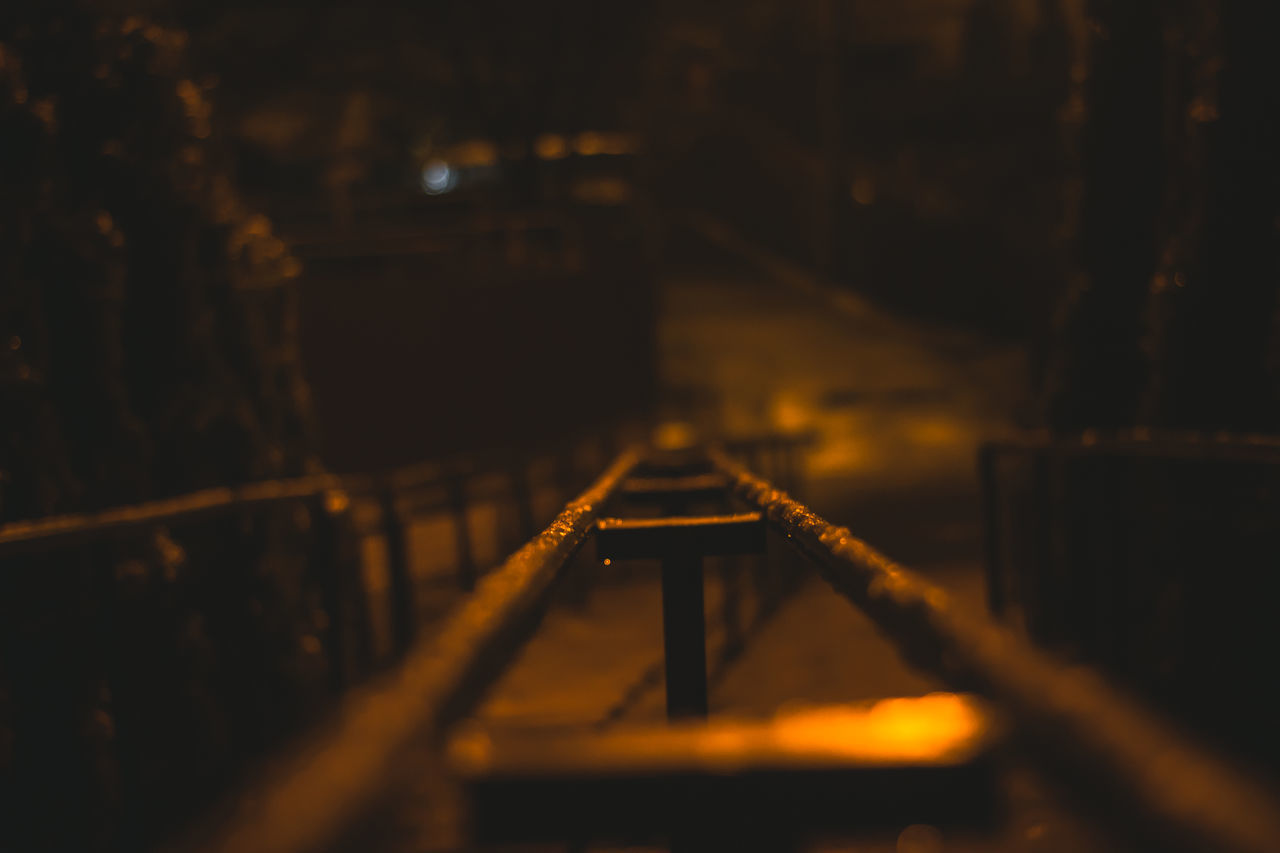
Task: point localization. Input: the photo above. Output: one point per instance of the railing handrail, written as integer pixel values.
(1189, 795)
(56, 531)
(325, 784)
(1179, 790)
(52, 532)
(1180, 444)
(60, 530)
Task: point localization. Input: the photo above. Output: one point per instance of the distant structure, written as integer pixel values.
(913, 150)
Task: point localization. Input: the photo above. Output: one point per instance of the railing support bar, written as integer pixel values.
(684, 636)
(403, 612)
(466, 567)
(987, 460)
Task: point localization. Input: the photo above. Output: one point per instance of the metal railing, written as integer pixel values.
(1045, 462)
(1149, 778)
(260, 590)
(1155, 780)
(321, 789)
(1148, 555)
(136, 580)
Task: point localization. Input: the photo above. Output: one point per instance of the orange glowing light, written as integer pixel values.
(336, 501)
(935, 431)
(791, 413)
(936, 727)
(939, 729)
(674, 435)
(551, 146)
(473, 153)
(588, 143)
(591, 143)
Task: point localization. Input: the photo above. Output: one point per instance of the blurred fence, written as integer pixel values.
(148, 653)
(151, 654)
(1153, 557)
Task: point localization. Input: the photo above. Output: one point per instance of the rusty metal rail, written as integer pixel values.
(1181, 795)
(24, 537)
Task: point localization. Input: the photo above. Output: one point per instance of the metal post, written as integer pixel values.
(987, 476)
(522, 495)
(325, 567)
(680, 544)
(462, 533)
(731, 607)
(402, 611)
(684, 636)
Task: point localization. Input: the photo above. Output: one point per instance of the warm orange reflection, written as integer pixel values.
(551, 146)
(590, 143)
(936, 727)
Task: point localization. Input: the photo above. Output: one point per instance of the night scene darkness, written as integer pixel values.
(705, 426)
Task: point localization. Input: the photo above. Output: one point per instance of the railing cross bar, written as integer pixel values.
(660, 538)
(664, 491)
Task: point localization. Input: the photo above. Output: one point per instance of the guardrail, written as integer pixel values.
(1150, 779)
(1181, 795)
(1149, 555)
(266, 589)
(242, 611)
(1045, 456)
(323, 787)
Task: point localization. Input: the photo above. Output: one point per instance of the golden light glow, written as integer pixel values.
(588, 143)
(930, 728)
(935, 430)
(791, 413)
(551, 146)
(592, 142)
(674, 435)
(336, 501)
(473, 153)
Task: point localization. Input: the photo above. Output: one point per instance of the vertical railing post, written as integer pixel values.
(684, 636)
(400, 585)
(1035, 589)
(522, 495)
(684, 625)
(466, 567)
(988, 474)
(324, 561)
(346, 637)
